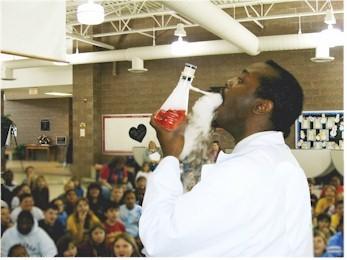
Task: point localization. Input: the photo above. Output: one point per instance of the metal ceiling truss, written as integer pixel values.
(120, 14)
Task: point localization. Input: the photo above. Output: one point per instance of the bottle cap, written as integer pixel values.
(189, 70)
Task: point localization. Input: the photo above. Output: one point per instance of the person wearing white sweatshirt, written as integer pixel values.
(28, 234)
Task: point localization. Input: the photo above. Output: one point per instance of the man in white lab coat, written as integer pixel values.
(252, 202)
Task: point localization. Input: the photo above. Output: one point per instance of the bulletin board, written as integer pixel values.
(115, 133)
(320, 130)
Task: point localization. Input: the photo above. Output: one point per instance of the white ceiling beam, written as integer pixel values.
(92, 42)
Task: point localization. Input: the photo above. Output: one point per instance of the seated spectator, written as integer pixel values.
(336, 181)
(78, 187)
(26, 202)
(23, 188)
(69, 185)
(335, 244)
(40, 192)
(144, 172)
(8, 184)
(130, 213)
(326, 204)
(70, 201)
(113, 224)
(79, 223)
(140, 189)
(213, 152)
(337, 217)
(5, 219)
(132, 168)
(27, 233)
(50, 224)
(320, 243)
(62, 215)
(152, 155)
(17, 251)
(117, 195)
(95, 245)
(113, 173)
(323, 225)
(7, 187)
(125, 246)
(67, 247)
(30, 176)
(96, 202)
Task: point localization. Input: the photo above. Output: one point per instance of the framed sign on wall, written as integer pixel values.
(320, 130)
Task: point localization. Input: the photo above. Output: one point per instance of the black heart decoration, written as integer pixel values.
(138, 133)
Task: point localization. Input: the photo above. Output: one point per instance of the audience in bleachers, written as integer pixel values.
(95, 246)
(5, 219)
(50, 223)
(79, 223)
(26, 203)
(40, 192)
(81, 220)
(125, 246)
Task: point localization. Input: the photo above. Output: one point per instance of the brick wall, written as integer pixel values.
(27, 115)
(144, 93)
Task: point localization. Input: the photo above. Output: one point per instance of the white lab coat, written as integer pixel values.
(253, 202)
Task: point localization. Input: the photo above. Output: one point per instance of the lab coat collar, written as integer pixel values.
(257, 139)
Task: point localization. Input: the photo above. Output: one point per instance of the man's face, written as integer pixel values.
(24, 225)
(51, 216)
(239, 97)
(27, 203)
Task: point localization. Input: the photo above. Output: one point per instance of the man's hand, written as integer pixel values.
(171, 142)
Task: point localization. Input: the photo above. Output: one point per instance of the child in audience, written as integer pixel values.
(130, 213)
(326, 204)
(145, 171)
(30, 176)
(5, 219)
(77, 182)
(337, 216)
(336, 181)
(79, 223)
(113, 224)
(18, 251)
(323, 225)
(26, 204)
(40, 192)
(140, 189)
(70, 202)
(125, 246)
(21, 189)
(95, 245)
(96, 202)
(62, 215)
(50, 224)
(69, 185)
(117, 195)
(66, 246)
(320, 243)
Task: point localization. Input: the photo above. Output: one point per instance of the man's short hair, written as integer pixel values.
(111, 206)
(286, 94)
(52, 206)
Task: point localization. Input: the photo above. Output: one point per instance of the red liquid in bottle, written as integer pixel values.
(170, 119)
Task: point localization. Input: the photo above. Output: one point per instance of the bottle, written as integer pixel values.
(174, 110)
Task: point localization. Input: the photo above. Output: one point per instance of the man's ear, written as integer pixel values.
(263, 106)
